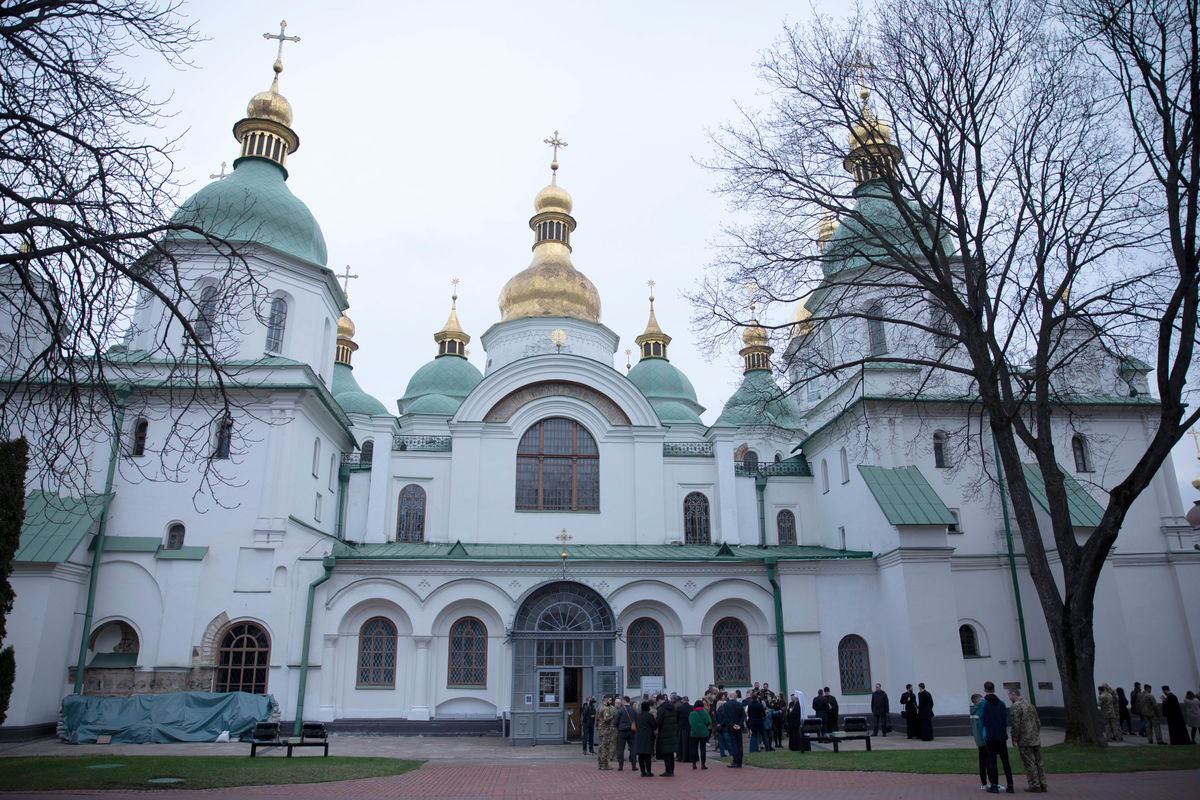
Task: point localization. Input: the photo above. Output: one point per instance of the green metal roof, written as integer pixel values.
(447, 376)
(588, 552)
(128, 544)
(659, 379)
(350, 396)
(760, 401)
(876, 231)
(1085, 511)
(905, 497)
(54, 526)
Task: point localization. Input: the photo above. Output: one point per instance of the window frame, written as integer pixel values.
(697, 518)
(276, 325)
(206, 312)
(941, 452)
(731, 674)
(581, 482)
(654, 654)
(1081, 454)
(479, 670)
(862, 672)
(779, 529)
(414, 529)
(844, 457)
(141, 427)
(968, 628)
(176, 533)
(224, 444)
(262, 659)
(385, 639)
(877, 343)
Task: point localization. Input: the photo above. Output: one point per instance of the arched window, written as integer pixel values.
(224, 438)
(377, 653)
(875, 330)
(1080, 450)
(316, 465)
(243, 660)
(854, 664)
(368, 452)
(333, 469)
(969, 641)
(558, 468)
(410, 522)
(139, 437)
(644, 650)
(785, 524)
(731, 653)
(941, 458)
(845, 459)
(696, 529)
(468, 653)
(175, 536)
(824, 476)
(942, 323)
(750, 461)
(275, 324)
(206, 312)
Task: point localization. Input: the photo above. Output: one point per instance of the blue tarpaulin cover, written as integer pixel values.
(175, 717)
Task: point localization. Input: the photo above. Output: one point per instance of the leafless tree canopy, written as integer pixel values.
(1033, 204)
(86, 196)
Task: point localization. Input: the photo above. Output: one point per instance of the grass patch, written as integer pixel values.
(1059, 758)
(198, 772)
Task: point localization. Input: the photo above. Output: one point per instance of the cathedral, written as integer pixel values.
(503, 544)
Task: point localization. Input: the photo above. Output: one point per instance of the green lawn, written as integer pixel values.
(1059, 758)
(198, 772)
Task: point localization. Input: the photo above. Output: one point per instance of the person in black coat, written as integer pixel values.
(668, 736)
(683, 709)
(735, 724)
(908, 704)
(755, 713)
(1172, 712)
(925, 713)
(831, 711)
(821, 709)
(588, 718)
(643, 738)
(880, 709)
(795, 718)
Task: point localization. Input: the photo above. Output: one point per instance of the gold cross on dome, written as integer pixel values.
(751, 287)
(861, 66)
(345, 278)
(556, 143)
(222, 175)
(282, 39)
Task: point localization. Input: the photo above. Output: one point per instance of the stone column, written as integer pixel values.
(690, 668)
(419, 707)
(329, 677)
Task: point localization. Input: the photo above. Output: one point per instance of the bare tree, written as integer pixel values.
(87, 240)
(1004, 224)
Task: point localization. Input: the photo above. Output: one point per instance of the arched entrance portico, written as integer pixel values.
(564, 649)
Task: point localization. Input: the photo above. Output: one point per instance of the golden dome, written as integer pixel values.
(270, 105)
(869, 130)
(1196, 483)
(825, 229)
(755, 335)
(452, 339)
(345, 345)
(801, 325)
(550, 287)
(345, 329)
(553, 198)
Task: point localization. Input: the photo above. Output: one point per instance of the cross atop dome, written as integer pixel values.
(556, 143)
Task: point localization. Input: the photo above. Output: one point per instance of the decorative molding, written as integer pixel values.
(508, 405)
(914, 555)
(690, 642)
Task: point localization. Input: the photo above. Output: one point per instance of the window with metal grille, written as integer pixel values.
(731, 653)
(875, 330)
(468, 653)
(275, 324)
(1079, 450)
(558, 468)
(750, 461)
(377, 653)
(139, 437)
(206, 312)
(696, 529)
(243, 660)
(940, 457)
(644, 649)
(968, 640)
(785, 523)
(854, 664)
(175, 536)
(224, 439)
(368, 452)
(410, 522)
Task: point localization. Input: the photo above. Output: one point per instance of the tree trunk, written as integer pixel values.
(1075, 651)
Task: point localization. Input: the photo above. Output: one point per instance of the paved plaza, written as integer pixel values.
(486, 768)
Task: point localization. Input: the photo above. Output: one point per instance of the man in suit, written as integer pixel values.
(735, 719)
(908, 710)
(880, 710)
(925, 713)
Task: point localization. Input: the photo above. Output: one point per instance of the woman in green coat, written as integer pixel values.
(699, 725)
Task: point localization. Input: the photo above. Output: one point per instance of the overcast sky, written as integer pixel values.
(421, 131)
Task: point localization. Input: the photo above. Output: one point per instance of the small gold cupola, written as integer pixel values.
(653, 342)
(452, 340)
(345, 341)
(757, 351)
(266, 131)
(872, 154)
(825, 229)
(551, 286)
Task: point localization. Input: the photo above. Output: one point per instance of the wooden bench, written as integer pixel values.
(852, 728)
(266, 736)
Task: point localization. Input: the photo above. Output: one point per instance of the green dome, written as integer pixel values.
(433, 404)
(350, 397)
(452, 377)
(759, 401)
(671, 413)
(874, 232)
(254, 204)
(658, 378)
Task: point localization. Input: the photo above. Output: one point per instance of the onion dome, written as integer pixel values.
(440, 386)
(344, 388)
(872, 154)
(825, 230)
(551, 286)
(253, 205)
(802, 321)
(757, 351)
(759, 401)
(669, 391)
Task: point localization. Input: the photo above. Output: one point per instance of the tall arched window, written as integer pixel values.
(275, 324)
(368, 452)
(845, 459)
(558, 468)
(377, 653)
(941, 458)
(644, 650)
(410, 522)
(785, 523)
(696, 529)
(969, 641)
(224, 438)
(206, 312)
(243, 660)
(175, 536)
(854, 664)
(731, 653)
(875, 330)
(1080, 450)
(468, 653)
(750, 461)
(824, 476)
(140, 428)
(316, 465)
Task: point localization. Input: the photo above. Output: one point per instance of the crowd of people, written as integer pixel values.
(1118, 711)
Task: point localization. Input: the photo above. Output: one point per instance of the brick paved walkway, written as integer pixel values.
(531, 782)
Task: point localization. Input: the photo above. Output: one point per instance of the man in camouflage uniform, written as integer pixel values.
(1110, 712)
(1027, 736)
(1152, 713)
(606, 718)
